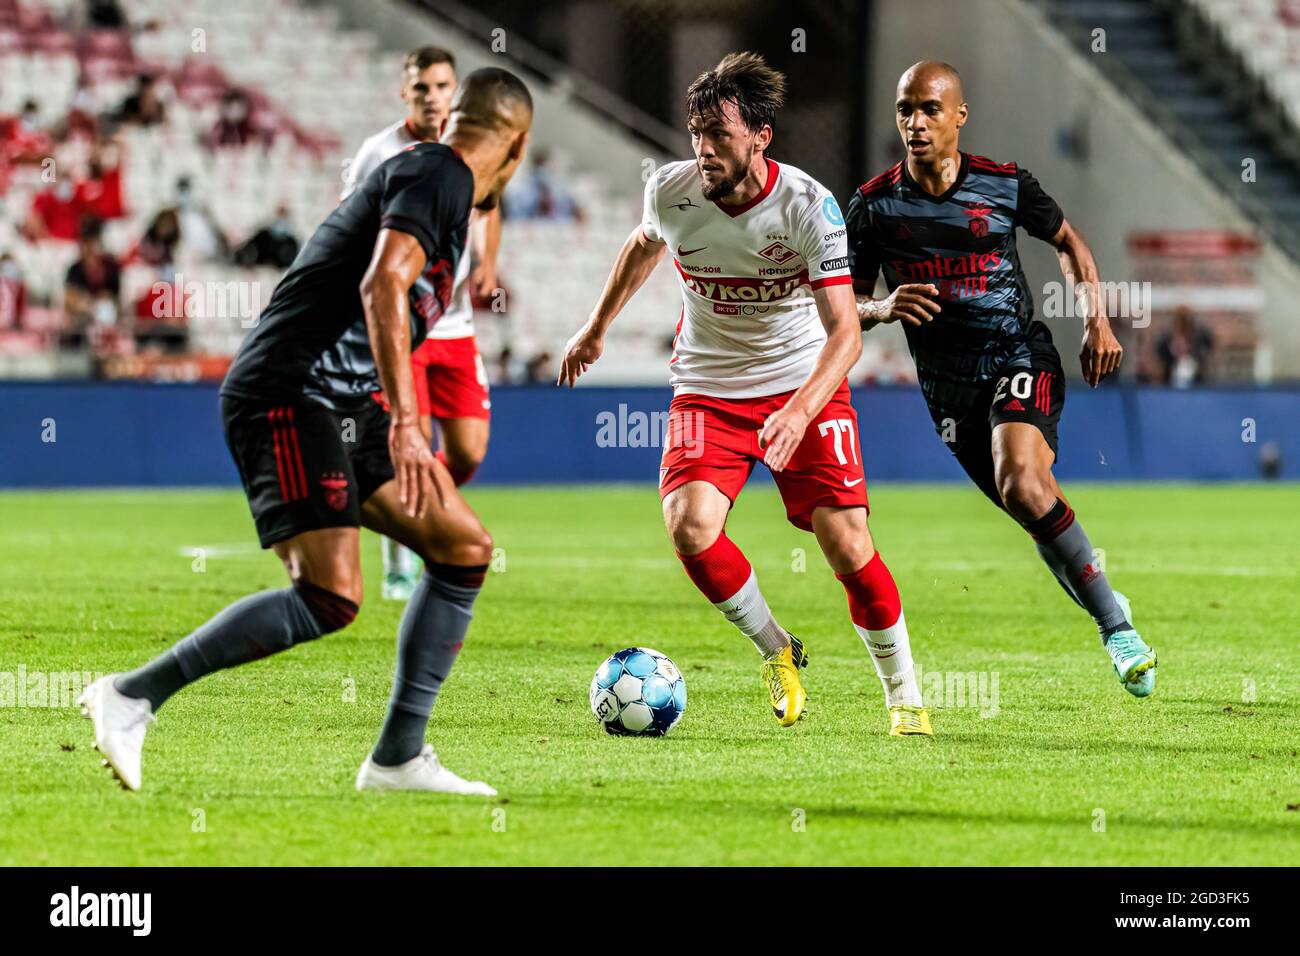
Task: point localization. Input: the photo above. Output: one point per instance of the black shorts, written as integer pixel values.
(1030, 390)
(305, 467)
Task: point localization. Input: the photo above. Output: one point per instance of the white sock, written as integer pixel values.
(749, 612)
(891, 652)
(398, 558)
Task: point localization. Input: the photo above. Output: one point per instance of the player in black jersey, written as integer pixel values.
(322, 450)
(942, 226)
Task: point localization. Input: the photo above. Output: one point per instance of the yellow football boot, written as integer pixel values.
(905, 721)
(781, 674)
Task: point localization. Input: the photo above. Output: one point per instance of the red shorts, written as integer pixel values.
(716, 440)
(450, 380)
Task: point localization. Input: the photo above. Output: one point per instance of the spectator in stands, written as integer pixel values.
(234, 125)
(25, 138)
(887, 366)
(105, 15)
(92, 288)
(57, 212)
(159, 244)
(144, 107)
(503, 370)
(203, 237)
(272, 245)
(13, 293)
(537, 194)
(540, 369)
(160, 314)
(1184, 352)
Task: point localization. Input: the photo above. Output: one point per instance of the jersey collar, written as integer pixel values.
(947, 193)
(410, 131)
(733, 211)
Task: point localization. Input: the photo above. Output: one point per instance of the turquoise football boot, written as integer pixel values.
(1134, 660)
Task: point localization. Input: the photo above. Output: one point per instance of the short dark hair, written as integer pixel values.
(744, 79)
(423, 57)
(492, 98)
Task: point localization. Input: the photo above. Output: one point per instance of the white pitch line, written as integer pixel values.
(1227, 571)
(218, 550)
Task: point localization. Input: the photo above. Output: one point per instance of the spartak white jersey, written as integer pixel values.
(458, 321)
(749, 325)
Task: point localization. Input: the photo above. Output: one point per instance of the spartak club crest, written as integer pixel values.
(979, 226)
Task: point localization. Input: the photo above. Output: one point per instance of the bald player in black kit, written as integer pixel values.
(321, 454)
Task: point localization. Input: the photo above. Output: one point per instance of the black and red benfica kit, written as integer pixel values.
(983, 359)
(308, 435)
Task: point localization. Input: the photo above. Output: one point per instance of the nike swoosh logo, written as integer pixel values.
(683, 253)
(855, 481)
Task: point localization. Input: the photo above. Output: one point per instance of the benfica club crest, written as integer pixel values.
(335, 485)
(979, 226)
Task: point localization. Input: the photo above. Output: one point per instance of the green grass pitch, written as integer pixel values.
(1040, 757)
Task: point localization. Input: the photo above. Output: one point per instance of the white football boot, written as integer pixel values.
(423, 772)
(120, 723)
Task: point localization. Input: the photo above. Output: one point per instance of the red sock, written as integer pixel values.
(719, 571)
(458, 475)
(873, 595)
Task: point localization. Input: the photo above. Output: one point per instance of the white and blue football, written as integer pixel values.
(638, 692)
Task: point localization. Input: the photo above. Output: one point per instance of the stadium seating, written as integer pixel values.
(323, 89)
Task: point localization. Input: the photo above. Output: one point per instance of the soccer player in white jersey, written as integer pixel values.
(767, 336)
(450, 381)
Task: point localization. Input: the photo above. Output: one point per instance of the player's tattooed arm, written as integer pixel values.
(636, 260)
(784, 429)
(915, 303)
(1101, 352)
(396, 264)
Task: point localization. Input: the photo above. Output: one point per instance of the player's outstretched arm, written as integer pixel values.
(636, 260)
(394, 267)
(783, 430)
(915, 303)
(1101, 352)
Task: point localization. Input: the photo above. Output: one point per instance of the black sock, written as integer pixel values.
(429, 640)
(1065, 548)
(253, 627)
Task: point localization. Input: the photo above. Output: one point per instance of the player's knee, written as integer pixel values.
(332, 611)
(463, 461)
(471, 548)
(847, 547)
(1026, 494)
(691, 532)
(847, 556)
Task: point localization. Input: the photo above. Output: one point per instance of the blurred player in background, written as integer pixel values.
(320, 453)
(942, 225)
(767, 336)
(451, 383)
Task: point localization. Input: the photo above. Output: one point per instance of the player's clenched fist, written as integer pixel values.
(1101, 352)
(781, 435)
(413, 461)
(583, 349)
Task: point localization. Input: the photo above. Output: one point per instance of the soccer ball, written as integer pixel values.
(638, 692)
